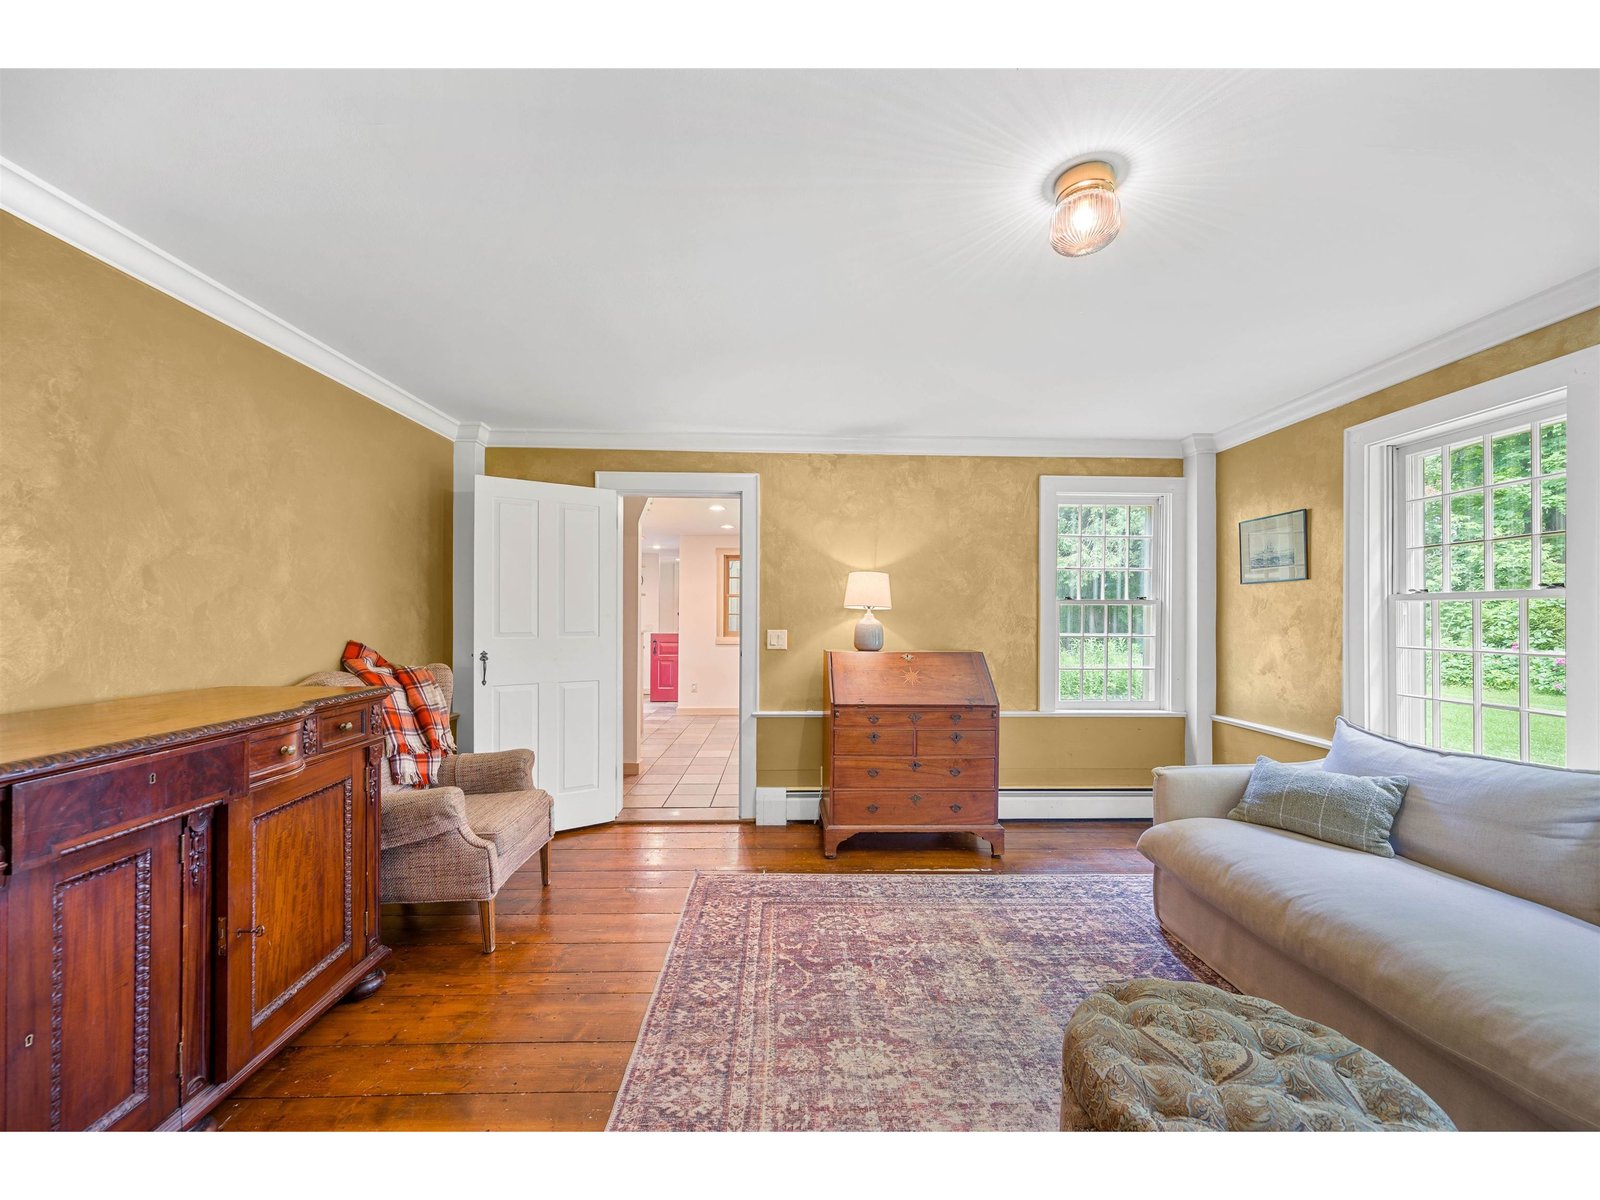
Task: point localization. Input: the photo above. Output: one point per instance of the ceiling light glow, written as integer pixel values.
(1088, 214)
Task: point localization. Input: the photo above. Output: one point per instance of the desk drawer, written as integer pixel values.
(963, 740)
(898, 806)
(910, 718)
(942, 772)
(874, 741)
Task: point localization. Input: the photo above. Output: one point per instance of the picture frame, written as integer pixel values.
(1275, 549)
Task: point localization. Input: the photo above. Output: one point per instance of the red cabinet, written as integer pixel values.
(663, 668)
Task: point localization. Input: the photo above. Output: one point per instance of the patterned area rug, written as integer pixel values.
(882, 1002)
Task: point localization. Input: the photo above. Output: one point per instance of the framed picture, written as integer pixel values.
(1274, 549)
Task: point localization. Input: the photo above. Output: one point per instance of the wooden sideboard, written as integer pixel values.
(186, 881)
(911, 742)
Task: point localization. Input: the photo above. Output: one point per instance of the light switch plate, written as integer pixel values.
(777, 639)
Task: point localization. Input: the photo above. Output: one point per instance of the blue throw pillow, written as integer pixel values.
(1347, 810)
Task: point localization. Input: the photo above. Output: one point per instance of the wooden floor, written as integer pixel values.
(537, 1035)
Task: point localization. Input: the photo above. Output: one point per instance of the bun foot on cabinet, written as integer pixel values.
(365, 986)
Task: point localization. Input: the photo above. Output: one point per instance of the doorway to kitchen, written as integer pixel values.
(687, 647)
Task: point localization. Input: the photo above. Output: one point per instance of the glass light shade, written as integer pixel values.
(867, 589)
(1086, 219)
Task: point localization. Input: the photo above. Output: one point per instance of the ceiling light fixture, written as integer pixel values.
(727, 526)
(719, 508)
(1088, 214)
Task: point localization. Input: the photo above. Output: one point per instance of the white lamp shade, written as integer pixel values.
(867, 589)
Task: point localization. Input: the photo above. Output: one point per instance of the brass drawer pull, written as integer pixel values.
(955, 737)
(955, 808)
(872, 720)
(872, 808)
(345, 726)
(285, 749)
(916, 797)
(872, 772)
(955, 770)
(955, 717)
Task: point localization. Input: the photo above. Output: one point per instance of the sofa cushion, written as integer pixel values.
(1346, 810)
(509, 819)
(1529, 830)
(1509, 987)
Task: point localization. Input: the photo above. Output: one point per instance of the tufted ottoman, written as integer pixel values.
(1157, 1054)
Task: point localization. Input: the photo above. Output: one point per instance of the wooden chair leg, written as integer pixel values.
(544, 863)
(486, 919)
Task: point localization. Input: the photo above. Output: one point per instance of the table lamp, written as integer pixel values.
(868, 590)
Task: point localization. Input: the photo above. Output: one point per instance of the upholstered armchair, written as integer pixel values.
(462, 838)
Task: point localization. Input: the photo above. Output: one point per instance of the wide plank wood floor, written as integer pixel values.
(537, 1035)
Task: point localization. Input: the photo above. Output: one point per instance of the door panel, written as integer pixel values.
(296, 911)
(547, 596)
(96, 1019)
(664, 668)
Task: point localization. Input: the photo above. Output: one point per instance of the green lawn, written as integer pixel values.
(1547, 736)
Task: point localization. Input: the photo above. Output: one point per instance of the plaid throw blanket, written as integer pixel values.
(416, 716)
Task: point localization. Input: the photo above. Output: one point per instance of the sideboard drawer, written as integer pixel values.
(276, 752)
(901, 807)
(341, 728)
(59, 812)
(942, 772)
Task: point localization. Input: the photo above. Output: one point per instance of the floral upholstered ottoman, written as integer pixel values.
(1154, 1054)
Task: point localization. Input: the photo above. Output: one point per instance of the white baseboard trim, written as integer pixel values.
(1287, 735)
(778, 806)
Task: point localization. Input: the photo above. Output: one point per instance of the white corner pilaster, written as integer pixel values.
(470, 443)
(1200, 698)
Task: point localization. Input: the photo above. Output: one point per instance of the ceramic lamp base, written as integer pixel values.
(869, 633)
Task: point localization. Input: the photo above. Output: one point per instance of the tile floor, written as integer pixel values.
(689, 769)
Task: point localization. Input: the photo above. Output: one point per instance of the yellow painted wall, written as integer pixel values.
(1280, 645)
(959, 537)
(182, 506)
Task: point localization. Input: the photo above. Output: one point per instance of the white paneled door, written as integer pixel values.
(546, 659)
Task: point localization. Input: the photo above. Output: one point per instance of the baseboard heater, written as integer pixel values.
(778, 806)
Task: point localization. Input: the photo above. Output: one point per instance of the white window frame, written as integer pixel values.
(1169, 560)
(1372, 494)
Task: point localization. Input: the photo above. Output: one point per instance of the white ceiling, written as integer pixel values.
(668, 518)
(641, 254)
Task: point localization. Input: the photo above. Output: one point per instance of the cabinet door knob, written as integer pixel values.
(345, 726)
(285, 749)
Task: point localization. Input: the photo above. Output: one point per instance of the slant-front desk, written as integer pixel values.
(186, 881)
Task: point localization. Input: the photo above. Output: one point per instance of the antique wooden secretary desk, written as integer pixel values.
(911, 742)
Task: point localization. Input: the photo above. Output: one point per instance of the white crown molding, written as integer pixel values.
(797, 443)
(475, 432)
(1574, 296)
(58, 214)
(1198, 443)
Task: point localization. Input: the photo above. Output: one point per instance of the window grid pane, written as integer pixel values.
(1483, 515)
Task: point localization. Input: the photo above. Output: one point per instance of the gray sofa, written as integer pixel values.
(1471, 961)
